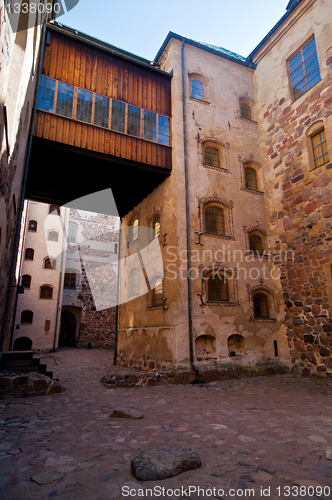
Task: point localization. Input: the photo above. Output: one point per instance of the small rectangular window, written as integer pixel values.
(150, 126)
(319, 148)
(102, 111)
(304, 69)
(84, 105)
(46, 92)
(65, 100)
(163, 130)
(118, 116)
(70, 281)
(134, 121)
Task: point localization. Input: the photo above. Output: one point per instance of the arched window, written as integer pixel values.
(261, 305)
(133, 288)
(156, 226)
(49, 263)
(197, 89)
(319, 148)
(217, 288)
(70, 280)
(29, 254)
(211, 156)
(256, 243)
(214, 220)
(157, 293)
(72, 232)
(53, 236)
(46, 292)
(134, 230)
(245, 111)
(26, 281)
(251, 178)
(32, 226)
(26, 317)
(54, 209)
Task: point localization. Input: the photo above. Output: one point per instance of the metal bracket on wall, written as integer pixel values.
(200, 234)
(164, 236)
(200, 295)
(164, 306)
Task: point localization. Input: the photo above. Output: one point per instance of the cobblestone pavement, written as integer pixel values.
(266, 434)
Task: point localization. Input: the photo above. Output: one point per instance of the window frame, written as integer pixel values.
(50, 259)
(290, 72)
(269, 294)
(41, 291)
(31, 250)
(229, 275)
(70, 280)
(26, 281)
(55, 232)
(30, 316)
(315, 134)
(30, 226)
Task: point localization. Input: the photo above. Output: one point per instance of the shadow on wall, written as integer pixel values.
(205, 347)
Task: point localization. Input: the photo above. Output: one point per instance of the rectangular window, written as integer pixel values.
(134, 121)
(163, 130)
(70, 281)
(71, 237)
(118, 116)
(84, 105)
(102, 111)
(46, 92)
(319, 148)
(304, 69)
(150, 126)
(65, 100)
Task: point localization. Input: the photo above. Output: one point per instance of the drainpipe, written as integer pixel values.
(62, 264)
(190, 315)
(117, 298)
(20, 211)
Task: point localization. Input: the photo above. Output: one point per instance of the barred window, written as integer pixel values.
(251, 178)
(319, 148)
(261, 305)
(256, 243)
(214, 220)
(304, 69)
(245, 111)
(84, 105)
(102, 111)
(217, 288)
(46, 93)
(211, 156)
(134, 121)
(150, 126)
(65, 100)
(197, 89)
(118, 116)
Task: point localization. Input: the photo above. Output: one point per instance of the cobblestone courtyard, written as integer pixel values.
(265, 434)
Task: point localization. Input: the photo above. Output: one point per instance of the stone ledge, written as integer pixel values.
(132, 378)
(22, 385)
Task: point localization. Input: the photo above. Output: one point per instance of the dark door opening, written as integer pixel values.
(67, 329)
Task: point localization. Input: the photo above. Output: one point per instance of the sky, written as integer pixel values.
(140, 26)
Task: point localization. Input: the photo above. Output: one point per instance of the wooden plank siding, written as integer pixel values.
(71, 132)
(77, 63)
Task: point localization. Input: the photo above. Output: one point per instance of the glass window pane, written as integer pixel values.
(163, 130)
(251, 178)
(134, 121)
(150, 126)
(84, 105)
(211, 157)
(102, 111)
(245, 111)
(65, 99)
(46, 92)
(214, 221)
(118, 116)
(197, 89)
(295, 62)
(309, 49)
(218, 289)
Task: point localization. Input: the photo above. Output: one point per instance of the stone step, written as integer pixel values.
(16, 355)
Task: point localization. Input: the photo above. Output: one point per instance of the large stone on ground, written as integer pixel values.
(47, 477)
(161, 463)
(126, 413)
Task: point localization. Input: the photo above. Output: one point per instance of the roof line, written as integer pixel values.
(290, 7)
(83, 37)
(201, 45)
